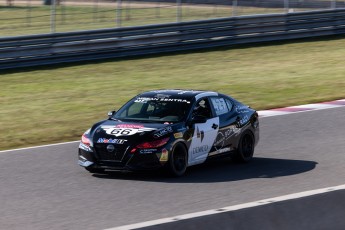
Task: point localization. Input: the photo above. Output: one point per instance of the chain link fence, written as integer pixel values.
(23, 17)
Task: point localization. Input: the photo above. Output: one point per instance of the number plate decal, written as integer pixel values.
(120, 131)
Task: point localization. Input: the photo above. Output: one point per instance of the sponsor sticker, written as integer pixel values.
(224, 136)
(163, 132)
(147, 151)
(198, 149)
(164, 155)
(178, 135)
(112, 141)
(129, 126)
(200, 134)
(244, 120)
(165, 99)
(242, 109)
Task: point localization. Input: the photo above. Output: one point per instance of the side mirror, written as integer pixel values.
(111, 113)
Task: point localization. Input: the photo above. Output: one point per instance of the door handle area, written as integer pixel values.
(214, 126)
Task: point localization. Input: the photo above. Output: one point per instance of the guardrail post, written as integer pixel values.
(286, 6)
(178, 11)
(28, 13)
(52, 16)
(118, 13)
(234, 7)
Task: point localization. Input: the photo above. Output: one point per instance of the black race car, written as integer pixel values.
(173, 129)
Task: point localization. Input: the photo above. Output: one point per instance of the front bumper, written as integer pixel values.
(89, 157)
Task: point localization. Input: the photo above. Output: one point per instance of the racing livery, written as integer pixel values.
(172, 129)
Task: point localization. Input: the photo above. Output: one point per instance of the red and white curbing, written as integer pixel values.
(302, 108)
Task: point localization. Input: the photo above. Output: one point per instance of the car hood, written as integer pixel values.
(118, 132)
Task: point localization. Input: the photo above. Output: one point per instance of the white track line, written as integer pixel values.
(40, 146)
(229, 208)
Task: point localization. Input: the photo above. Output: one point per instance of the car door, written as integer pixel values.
(204, 132)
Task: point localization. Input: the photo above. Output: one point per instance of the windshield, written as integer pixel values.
(154, 109)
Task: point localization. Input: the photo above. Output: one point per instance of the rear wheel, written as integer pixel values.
(177, 163)
(245, 150)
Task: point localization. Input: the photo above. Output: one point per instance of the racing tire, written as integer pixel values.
(94, 170)
(178, 159)
(245, 150)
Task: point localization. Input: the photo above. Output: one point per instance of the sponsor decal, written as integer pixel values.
(129, 126)
(242, 109)
(203, 139)
(178, 135)
(198, 149)
(200, 134)
(163, 132)
(147, 151)
(111, 141)
(219, 142)
(223, 136)
(165, 99)
(243, 120)
(164, 155)
(124, 130)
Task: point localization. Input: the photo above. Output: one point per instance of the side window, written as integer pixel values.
(229, 104)
(202, 108)
(220, 105)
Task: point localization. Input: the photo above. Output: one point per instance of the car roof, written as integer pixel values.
(178, 93)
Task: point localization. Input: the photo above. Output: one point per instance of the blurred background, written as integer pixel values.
(21, 17)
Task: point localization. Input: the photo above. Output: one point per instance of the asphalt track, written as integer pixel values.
(44, 188)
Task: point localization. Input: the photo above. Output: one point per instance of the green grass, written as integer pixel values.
(55, 104)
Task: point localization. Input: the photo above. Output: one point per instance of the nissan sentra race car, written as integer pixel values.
(173, 129)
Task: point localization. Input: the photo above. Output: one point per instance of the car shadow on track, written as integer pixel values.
(221, 171)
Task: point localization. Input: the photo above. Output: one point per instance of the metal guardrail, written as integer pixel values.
(45, 49)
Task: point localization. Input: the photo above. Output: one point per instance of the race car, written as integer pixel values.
(170, 129)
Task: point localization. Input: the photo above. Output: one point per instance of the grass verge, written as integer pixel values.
(58, 103)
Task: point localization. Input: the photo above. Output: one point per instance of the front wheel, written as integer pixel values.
(177, 163)
(245, 150)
